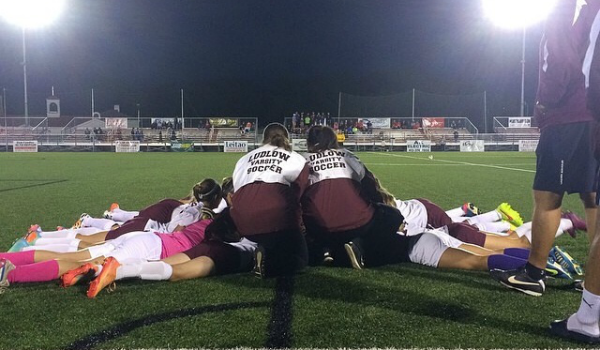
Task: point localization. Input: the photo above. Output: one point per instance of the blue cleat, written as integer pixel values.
(566, 261)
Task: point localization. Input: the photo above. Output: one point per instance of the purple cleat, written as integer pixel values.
(578, 223)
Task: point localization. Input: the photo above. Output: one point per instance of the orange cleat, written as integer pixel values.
(113, 206)
(105, 278)
(72, 277)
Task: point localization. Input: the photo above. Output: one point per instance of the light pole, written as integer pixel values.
(29, 14)
(518, 14)
(523, 73)
(26, 104)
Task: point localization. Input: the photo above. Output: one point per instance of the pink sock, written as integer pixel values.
(19, 258)
(38, 272)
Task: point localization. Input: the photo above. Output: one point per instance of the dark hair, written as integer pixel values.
(227, 186)
(207, 192)
(277, 135)
(222, 229)
(321, 138)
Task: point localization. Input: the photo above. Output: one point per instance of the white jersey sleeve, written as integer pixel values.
(415, 216)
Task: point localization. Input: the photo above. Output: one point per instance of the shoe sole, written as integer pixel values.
(567, 334)
(350, 252)
(8, 267)
(74, 279)
(567, 262)
(102, 281)
(258, 271)
(528, 292)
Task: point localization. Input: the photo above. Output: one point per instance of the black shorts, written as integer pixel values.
(565, 159)
(227, 258)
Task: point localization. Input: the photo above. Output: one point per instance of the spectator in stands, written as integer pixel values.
(307, 120)
(133, 133)
(455, 135)
(119, 134)
(87, 133)
(141, 135)
(369, 127)
(160, 136)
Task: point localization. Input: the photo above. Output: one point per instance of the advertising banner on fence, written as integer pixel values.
(418, 146)
(472, 146)
(115, 123)
(433, 122)
(182, 147)
(378, 123)
(235, 146)
(25, 146)
(223, 122)
(299, 145)
(520, 122)
(127, 146)
(528, 145)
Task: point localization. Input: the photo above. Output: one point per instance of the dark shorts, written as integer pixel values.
(160, 212)
(467, 233)
(565, 159)
(226, 257)
(436, 216)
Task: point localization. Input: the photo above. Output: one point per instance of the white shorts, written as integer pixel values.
(429, 248)
(134, 245)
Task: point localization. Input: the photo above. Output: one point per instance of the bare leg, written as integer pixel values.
(589, 203)
(179, 258)
(546, 218)
(475, 249)
(43, 255)
(592, 275)
(95, 238)
(499, 243)
(461, 259)
(200, 267)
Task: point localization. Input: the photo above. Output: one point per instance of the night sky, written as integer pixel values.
(265, 58)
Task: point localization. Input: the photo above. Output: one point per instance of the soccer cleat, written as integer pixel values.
(327, 258)
(555, 270)
(59, 228)
(79, 222)
(566, 261)
(113, 207)
(5, 267)
(578, 285)
(509, 214)
(560, 329)
(519, 280)
(105, 278)
(355, 255)
(18, 245)
(259, 262)
(107, 215)
(578, 223)
(72, 277)
(33, 234)
(470, 210)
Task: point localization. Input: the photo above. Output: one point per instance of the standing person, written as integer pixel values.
(342, 209)
(583, 325)
(268, 183)
(565, 159)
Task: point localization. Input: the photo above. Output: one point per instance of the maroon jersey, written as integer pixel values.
(268, 183)
(333, 200)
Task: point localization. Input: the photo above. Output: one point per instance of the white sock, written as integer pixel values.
(103, 224)
(494, 227)
(67, 233)
(152, 271)
(88, 231)
(563, 226)
(58, 248)
(49, 241)
(455, 213)
(586, 319)
(123, 215)
(490, 216)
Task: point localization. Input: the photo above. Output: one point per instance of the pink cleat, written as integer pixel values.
(578, 223)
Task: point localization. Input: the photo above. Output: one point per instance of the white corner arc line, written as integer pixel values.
(463, 163)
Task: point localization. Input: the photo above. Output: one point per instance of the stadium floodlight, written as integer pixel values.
(30, 14)
(518, 14)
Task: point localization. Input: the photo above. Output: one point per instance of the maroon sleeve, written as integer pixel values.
(301, 182)
(556, 55)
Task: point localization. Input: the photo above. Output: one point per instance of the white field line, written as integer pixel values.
(433, 163)
(460, 163)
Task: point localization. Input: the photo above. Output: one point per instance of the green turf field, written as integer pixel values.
(401, 306)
